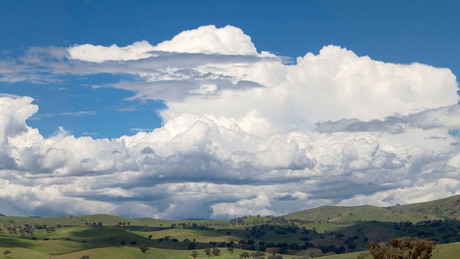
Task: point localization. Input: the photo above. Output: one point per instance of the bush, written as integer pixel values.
(144, 248)
(272, 250)
(216, 251)
(403, 248)
(257, 254)
(311, 253)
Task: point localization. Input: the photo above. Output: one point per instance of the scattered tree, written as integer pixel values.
(216, 251)
(257, 254)
(143, 248)
(311, 253)
(272, 250)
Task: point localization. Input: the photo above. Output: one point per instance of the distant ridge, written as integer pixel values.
(447, 208)
(99, 220)
(442, 209)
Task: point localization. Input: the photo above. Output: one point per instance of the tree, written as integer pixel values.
(272, 250)
(401, 248)
(311, 252)
(6, 252)
(245, 255)
(207, 251)
(216, 251)
(257, 254)
(143, 248)
(192, 246)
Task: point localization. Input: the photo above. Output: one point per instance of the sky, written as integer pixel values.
(220, 109)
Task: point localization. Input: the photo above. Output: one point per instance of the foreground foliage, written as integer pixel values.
(401, 248)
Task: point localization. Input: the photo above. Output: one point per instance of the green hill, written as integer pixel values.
(448, 208)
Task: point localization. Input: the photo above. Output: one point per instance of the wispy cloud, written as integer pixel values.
(141, 130)
(447, 117)
(78, 113)
(40, 116)
(127, 109)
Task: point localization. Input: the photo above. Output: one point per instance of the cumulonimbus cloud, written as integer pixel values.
(332, 85)
(242, 131)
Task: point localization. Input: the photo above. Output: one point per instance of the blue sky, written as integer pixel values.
(216, 109)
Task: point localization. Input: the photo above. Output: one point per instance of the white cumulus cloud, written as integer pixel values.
(243, 132)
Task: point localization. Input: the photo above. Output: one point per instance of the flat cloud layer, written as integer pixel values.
(243, 132)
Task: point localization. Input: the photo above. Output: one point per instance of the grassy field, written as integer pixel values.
(106, 242)
(443, 251)
(131, 252)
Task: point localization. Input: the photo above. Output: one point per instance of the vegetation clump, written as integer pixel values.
(400, 248)
(6, 252)
(144, 248)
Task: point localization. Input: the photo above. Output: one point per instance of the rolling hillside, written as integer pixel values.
(448, 208)
(332, 229)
